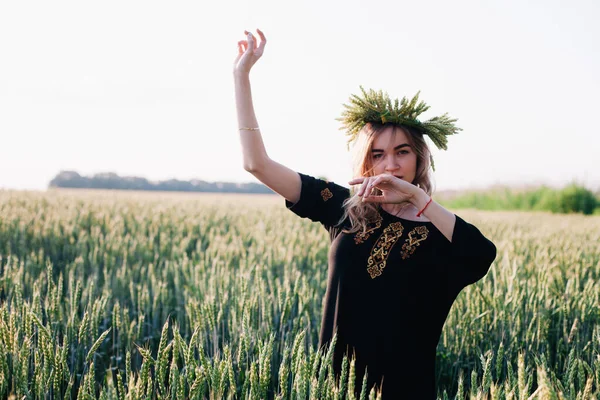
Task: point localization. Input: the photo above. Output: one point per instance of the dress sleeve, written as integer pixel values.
(320, 201)
(471, 254)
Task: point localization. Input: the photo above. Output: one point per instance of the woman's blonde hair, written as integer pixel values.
(359, 213)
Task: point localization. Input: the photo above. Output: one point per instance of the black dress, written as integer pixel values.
(389, 291)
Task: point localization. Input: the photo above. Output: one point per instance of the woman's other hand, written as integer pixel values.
(393, 189)
(248, 52)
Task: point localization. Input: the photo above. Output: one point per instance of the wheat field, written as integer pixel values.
(131, 295)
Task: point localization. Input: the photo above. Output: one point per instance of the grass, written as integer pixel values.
(165, 295)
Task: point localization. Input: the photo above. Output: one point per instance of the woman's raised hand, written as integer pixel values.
(248, 52)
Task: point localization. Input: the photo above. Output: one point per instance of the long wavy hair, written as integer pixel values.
(359, 213)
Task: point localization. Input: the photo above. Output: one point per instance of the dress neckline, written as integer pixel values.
(387, 215)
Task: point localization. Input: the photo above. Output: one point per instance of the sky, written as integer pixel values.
(145, 88)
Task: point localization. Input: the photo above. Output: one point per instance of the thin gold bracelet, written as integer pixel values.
(249, 129)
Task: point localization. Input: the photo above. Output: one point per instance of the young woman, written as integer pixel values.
(397, 259)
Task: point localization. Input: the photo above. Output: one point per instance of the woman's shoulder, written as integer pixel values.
(327, 189)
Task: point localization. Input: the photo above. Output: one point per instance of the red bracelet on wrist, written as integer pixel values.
(420, 212)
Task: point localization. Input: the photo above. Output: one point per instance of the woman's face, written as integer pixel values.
(392, 154)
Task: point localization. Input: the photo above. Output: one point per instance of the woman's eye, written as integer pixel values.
(378, 156)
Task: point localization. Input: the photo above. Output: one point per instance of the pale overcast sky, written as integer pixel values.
(145, 88)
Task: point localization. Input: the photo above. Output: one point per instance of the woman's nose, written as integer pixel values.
(391, 164)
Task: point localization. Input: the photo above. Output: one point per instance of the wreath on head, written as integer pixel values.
(376, 106)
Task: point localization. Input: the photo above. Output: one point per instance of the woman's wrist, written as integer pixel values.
(420, 198)
(241, 75)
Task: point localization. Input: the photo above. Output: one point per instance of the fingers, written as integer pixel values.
(367, 185)
(365, 188)
(375, 183)
(378, 180)
(251, 41)
(263, 40)
(357, 181)
(242, 46)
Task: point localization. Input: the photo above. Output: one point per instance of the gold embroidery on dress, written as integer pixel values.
(379, 254)
(326, 194)
(361, 236)
(412, 242)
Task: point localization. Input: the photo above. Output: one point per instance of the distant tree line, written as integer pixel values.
(574, 198)
(110, 180)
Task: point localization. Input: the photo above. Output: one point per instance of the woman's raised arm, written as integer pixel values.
(276, 176)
